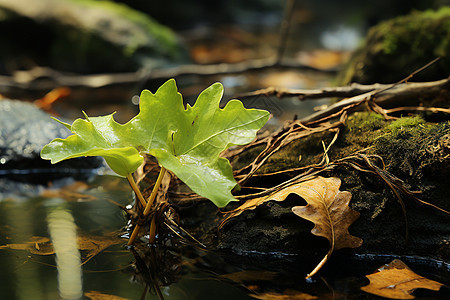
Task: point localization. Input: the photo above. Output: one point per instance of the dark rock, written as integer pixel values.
(82, 36)
(395, 48)
(24, 131)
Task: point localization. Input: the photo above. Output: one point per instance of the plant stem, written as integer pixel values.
(152, 197)
(136, 189)
(147, 210)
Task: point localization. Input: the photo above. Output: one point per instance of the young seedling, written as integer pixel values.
(186, 141)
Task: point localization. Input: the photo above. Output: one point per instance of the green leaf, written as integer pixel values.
(94, 138)
(186, 141)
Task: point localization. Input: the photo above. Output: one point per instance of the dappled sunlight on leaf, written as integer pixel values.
(396, 281)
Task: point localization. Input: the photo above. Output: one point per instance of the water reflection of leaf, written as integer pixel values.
(95, 295)
(289, 294)
(396, 281)
(72, 192)
(91, 245)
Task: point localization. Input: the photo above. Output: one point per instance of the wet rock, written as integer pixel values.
(24, 131)
(395, 48)
(82, 36)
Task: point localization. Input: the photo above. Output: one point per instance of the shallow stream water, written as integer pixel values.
(65, 242)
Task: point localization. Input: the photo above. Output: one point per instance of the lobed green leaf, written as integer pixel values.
(187, 141)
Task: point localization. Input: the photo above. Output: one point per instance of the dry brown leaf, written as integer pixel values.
(328, 209)
(95, 295)
(289, 294)
(396, 281)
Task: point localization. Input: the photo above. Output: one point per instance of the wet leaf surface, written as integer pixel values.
(396, 281)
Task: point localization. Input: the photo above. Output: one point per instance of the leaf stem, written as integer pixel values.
(136, 189)
(320, 265)
(147, 210)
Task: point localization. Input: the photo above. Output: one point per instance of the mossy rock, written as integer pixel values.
(395, 48)
(83, 36)
(414, 150)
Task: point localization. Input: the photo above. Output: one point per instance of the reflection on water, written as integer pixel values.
(65, 244)
(63, 234)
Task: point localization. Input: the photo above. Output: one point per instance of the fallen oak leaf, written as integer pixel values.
(396, 281)
(328, 209)
(251, 204)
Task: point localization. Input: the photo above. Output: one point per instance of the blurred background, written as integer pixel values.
(59, 57)
(139, 44)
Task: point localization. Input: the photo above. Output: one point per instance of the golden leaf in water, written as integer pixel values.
(92, 244)
(396, 281)
(95, 295)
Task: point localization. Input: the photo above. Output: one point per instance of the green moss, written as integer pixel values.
(395, 48)
(165, 38)
(405, 122)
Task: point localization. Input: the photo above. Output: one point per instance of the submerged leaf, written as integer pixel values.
(186, 141)
(92, 245)
(396, 281)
